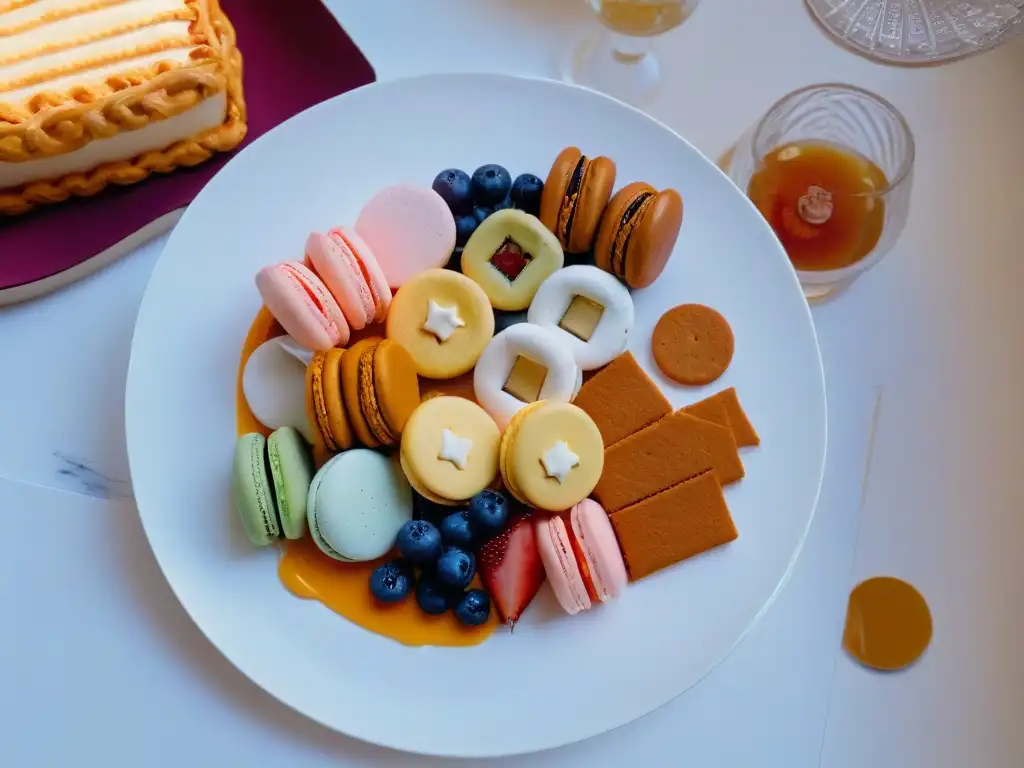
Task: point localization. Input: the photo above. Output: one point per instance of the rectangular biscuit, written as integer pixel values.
(622, 399)
(678, 523)
(666, 453)
(742, 429)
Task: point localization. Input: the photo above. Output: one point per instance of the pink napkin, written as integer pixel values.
(295, 55)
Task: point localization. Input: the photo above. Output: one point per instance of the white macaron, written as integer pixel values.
(274, 386)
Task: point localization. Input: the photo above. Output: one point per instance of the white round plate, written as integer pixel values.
(558, 679)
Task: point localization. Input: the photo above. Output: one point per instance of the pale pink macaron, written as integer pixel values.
(409, 228)
(583, 561)
(302, 305)
(350, 271)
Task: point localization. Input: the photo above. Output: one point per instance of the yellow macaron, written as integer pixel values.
(450, 449)
(444, 320)
(551, 455)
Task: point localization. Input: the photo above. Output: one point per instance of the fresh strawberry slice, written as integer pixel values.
(511, 569)
(510, 260)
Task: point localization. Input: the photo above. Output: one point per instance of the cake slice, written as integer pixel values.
(97, 92)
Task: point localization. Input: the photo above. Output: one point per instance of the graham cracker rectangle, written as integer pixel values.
(742, 429)
(622, 399)
(683, 521)
(669, 452)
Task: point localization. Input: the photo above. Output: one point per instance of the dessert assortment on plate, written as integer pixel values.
(98, 92)
(437, 413)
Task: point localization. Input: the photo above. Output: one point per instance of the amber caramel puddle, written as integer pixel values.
(888, 624)
(309, 574)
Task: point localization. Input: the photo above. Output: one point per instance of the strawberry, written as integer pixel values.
(510, 260)
(511, 569)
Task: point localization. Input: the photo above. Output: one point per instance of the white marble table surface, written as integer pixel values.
(98, 662)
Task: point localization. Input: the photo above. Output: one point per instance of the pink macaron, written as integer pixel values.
(409, 228)
(302, 305)
(582, 560)
(350, 271)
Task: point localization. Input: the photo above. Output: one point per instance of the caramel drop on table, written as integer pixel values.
(888, 624)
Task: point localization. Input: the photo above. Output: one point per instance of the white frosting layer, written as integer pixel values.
(128, 144)
(66, 32)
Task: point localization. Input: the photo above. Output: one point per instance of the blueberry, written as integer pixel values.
(503, 320)
(419, 542)
(455, 188)
(465, 226)
(455, 530)
(432, 596)
(456, 567)
(481, 213)
(506, 203)
(487, 513)
(491, 183)
(474, 608)
(391, 582)
(526, 190)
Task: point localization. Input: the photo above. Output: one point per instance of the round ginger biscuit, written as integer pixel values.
(692, 344)
(888, 624)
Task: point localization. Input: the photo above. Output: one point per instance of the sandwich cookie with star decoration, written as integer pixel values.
(551, 455)
(443, 320)
(450, 449)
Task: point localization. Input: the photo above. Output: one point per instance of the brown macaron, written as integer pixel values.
(638, 232)
(574, 197)
(381, 390)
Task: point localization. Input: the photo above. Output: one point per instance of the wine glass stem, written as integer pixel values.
(628, 50)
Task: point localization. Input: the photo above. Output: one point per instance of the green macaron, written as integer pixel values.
(271, 482)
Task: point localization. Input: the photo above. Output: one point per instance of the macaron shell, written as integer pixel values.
(337, 266)
(396, 383)
(596, 537)
(254, 501)
(563, 573)
(421, 448)
(316, 407)
(334, 398)
(273, 384)
(459, 352)
(409, 228)
(557, 183)
(539, 432)
(422, 490)
(595, 191)
(291, 472)
(350, 389)
(612, 219)
(357, 503)
(303, 305)
(653, 239)
(372, 272)
(508, 437)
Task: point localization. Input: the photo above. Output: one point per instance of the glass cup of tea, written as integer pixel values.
(830, 167)
(620, 61)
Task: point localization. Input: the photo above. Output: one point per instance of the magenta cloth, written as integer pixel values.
(294, 54)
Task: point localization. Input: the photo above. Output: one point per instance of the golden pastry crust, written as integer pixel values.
(55, 123)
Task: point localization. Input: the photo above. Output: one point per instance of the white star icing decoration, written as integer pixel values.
(455, 449)
(559, 460)
(442, 321)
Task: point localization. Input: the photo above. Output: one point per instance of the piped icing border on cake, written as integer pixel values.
(54, 123)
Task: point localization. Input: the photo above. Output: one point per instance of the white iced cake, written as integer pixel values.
(97, 92)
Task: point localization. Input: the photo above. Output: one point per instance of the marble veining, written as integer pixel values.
(77, 476)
